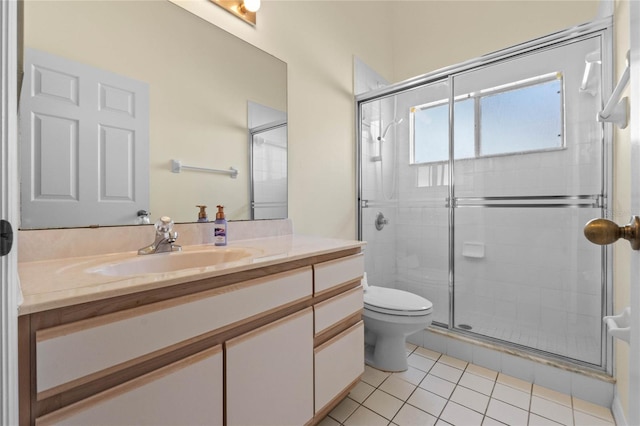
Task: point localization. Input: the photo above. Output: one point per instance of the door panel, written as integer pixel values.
(269, 373)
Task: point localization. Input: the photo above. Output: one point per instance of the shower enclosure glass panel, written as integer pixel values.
(523, 271)
(529, 277)
(531, 146)
(410, 251)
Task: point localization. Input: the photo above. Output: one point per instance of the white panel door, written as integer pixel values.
(84, 144)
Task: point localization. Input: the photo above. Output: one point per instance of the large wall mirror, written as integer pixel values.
(202, 82)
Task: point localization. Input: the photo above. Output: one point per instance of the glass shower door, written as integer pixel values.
(403, 203)
(532, 177)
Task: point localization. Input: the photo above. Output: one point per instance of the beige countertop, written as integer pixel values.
(55, 283)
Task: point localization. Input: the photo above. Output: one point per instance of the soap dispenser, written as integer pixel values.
(220, 228)
(202, 215)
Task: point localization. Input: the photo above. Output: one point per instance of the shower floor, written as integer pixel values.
(568, 345)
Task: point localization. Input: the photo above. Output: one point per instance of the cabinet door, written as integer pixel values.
(187, 392)
(270, 373)
(338, 364)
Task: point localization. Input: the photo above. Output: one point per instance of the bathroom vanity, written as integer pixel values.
(272, 337)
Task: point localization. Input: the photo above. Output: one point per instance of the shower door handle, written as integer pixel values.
(603, 231)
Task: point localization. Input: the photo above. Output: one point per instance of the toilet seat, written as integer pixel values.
(392, 301)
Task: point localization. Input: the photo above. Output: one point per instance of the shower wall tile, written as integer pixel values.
(546, 173)
(486, 358)
(592, 390)
(380, 259)
(517, 367)
(418, 338)
(520, 263)
(459, 349)
(552, 378)
(436, 342)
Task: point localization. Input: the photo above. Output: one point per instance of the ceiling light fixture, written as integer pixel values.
(243, 9)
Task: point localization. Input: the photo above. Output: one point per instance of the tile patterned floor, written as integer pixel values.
(441, 390)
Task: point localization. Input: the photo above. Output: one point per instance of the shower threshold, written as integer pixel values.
(526, 353)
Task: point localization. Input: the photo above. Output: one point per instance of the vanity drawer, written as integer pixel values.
(332, 311)
(338, 363)
(188, 391)
(330, 274)
(96, 344)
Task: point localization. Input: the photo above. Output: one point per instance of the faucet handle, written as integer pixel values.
(164, 225)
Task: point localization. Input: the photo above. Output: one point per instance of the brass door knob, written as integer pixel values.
(603, 231)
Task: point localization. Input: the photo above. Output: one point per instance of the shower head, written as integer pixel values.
(393, 123)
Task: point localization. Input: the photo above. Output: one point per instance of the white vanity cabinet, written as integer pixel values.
(281, 344)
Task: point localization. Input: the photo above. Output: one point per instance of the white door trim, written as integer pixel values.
(634, 94)
(9, 210)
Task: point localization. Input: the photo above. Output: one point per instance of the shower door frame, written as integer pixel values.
(601, 28)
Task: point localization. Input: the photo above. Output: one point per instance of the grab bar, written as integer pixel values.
(177, 166)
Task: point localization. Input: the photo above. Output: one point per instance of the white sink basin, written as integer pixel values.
(171, 262)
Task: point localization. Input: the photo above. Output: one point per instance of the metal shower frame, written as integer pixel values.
(601, 28)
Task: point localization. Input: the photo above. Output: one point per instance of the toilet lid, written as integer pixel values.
(396, 302)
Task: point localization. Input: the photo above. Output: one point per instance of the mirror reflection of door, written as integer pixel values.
(269, 171)
(85, 144)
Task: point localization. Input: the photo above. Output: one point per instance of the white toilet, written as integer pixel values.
(390, 315)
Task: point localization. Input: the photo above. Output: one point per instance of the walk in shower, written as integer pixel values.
(475, 183)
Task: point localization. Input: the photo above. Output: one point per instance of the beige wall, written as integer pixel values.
(450, 32)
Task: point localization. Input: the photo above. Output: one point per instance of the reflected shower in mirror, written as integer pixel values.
(201, 81)
(268, 146)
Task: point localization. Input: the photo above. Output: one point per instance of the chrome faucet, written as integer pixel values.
(165, 238)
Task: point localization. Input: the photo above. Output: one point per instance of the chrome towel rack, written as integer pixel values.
(177, 166)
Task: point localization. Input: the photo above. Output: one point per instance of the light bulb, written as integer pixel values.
(251, 5)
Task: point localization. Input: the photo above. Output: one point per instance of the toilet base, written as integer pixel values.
(387, 354)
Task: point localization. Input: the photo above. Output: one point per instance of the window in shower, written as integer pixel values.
(430, 131)
(519, 117)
